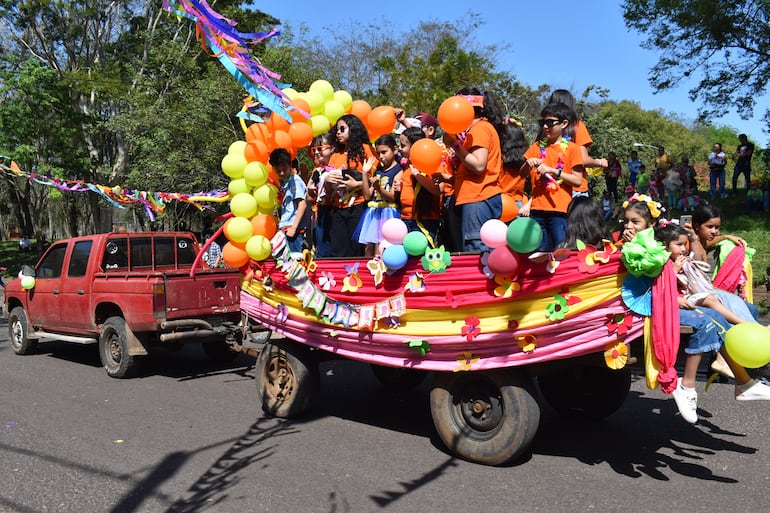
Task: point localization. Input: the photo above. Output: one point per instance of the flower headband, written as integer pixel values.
(655, 207)
(477, 100)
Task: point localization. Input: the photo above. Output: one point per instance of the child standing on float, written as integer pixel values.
(378, 191)
(555, 165)
(352, 149)
(320, 151)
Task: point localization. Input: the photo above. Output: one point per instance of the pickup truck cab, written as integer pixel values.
(124, 292)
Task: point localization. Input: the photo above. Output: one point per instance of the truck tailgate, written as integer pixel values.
(207, 293)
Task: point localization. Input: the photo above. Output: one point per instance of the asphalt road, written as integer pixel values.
(188, 436)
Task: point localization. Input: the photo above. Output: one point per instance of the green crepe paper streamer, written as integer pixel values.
(724, 249)
(644, 256)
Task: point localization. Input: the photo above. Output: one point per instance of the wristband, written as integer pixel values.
(558, 175)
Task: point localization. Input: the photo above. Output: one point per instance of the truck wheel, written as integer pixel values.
(585, 392)
(488, 417)
(113, 349)
(287, 378)
(398, 379)
(218, 352)
(18, 332)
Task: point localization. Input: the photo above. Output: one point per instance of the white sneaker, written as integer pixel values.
(752, 391)
(687, 402)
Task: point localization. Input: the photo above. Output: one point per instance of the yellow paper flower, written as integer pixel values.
(466, 361)
(616, 355)
(527, 343)
(506, 286)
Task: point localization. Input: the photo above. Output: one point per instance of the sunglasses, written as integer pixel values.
(341, 128)
(319, 149)
(550, 123)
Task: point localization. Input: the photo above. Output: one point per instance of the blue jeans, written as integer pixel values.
(321, 232)
(474, 215)
(714, 177)
(709, 328)
(553, 226)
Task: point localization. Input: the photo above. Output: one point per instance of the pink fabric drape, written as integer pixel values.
(665, 326)
(731, 274)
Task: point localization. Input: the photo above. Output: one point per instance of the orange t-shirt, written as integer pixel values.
(511, 182)
(558, 200)
(469, 186)
(429, 204)
(339, 160)
(582, 138)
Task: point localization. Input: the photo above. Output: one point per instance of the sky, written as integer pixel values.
(605, 53)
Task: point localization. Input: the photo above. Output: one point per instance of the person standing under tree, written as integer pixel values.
(742, 158)
(717, 161)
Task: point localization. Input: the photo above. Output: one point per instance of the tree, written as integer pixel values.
(724, 43)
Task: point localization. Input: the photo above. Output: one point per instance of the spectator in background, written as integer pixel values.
(742, 158)
(717, 161)
(24, 243)
(755, 198)
(213, 255)
(633, 167)
(687, 174)
(612, 175)
(663, 161)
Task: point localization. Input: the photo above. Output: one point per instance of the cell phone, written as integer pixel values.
(685, 219)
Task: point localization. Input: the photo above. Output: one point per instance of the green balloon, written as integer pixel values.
(524, 235)
(415, 243)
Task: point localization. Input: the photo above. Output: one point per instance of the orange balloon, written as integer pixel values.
(455, 114)
(264, 225)
(301, 134)
(425, 155)
(281, 139)
(300, 105)
(235, 255)
(256, 151)
(360, 109)
(258, 131)
(381, 120)
(277, 122)
(510, 208)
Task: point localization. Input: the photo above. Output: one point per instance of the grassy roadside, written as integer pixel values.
(12, 259)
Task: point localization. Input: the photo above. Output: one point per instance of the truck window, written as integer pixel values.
(79, 259)
(185, 251)
(141, 252)
(51, 265)
(164, 251)
(115, 255)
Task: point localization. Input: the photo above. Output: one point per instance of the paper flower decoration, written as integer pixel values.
(513, 324)
(556, 311)
(620, 324)
(327, 281)
(466, 361)
(616, 355)
(551, 258)
(415, 283)
(352, 282)
(307, 261)
(506, 286)
(282, 314)
(527, 343)
(421, 346)
(377, 268)
(644, 256)
(471, 329)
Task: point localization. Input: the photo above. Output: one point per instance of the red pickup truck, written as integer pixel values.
(126, 292)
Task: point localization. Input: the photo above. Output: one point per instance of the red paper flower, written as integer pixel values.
(620, 324)
(471, 329)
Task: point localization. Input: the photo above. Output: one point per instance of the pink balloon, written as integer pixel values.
(394, 230)
(494, 232)
(503, 262)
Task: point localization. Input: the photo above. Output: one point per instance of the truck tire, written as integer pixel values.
(585, 392)
(113, 349)
(18, 332)
(287, 378)
(398, 379)
(488, 417)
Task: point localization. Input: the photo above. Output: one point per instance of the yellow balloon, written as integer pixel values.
(265, 196)
(320, 124)
(238, 229)
(237, 186)
(344, 98)
(233, 164)
(323, 88)
(333, 110)
(268, 211)
(255, 174)
(290, 93)
(258, 247)
(315, 100)
(237, 147)
(243, 204)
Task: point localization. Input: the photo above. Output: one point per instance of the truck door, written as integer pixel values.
(76, 314)
(44, 299)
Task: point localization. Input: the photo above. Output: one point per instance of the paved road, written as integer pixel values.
(187, 436)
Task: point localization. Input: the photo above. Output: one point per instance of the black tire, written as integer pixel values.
(398, 379)
(18, 332)
(218, 352)
(488, 417)
(287, 378)
(113, 350)
(585, 392)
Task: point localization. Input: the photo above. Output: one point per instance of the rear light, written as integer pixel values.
(159, 300)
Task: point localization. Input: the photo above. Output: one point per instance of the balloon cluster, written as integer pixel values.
(523, 235)
(399, 244)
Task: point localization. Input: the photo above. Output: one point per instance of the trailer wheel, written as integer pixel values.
(287, 378)
(585, 392)
(398, 379)
(488, 417)
(113, 349)
(18, 332)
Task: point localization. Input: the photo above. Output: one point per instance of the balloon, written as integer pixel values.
(360, 109)
(315, 100)
(382, 246)
(238, 229)
(235, 255)
(257, 132)
(258, 247)
(394, 230)
(265, 225)
(493, 233)
(503, 262)
(237, 186)
(282, 139)
(323, 88)
(425, 155)
(300, 110)
(28, 282)
(290, 93)
(455, 114)
(381, 120)
(524, 235)
(320, 124)
(333, 110)
(394, 257)
(510, 208)
(255, 174)
(345, 99)
(265, 196)
(301, 134)
(748, 344)
(243, 204)
(256, 150)
(415, 243)
(233, 165)
(277, 122)
(237, 147)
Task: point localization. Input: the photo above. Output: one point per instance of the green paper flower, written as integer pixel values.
(644, 256)
(556, 311)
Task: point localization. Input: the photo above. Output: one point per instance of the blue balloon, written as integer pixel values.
(394, 257)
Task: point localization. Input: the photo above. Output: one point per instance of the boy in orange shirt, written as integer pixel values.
(555, 166)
